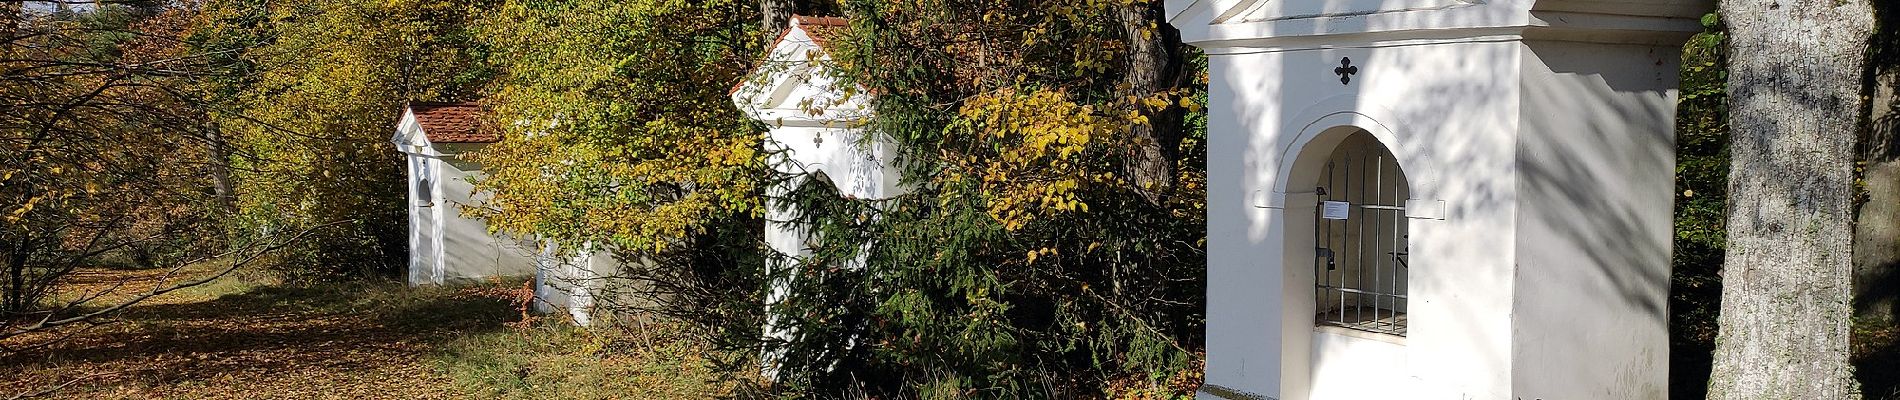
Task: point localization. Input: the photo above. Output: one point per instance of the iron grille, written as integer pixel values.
(1362, 275)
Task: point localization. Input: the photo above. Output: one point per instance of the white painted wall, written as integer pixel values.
(1596, 162)
(860, 166)
(422, 244)
(1539, 148)
(1266, 132)
(1355, 365)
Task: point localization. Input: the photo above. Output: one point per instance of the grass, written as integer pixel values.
(251, 336)
(557, 360)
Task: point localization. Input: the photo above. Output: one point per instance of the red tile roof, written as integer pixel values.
(821, 29)
(452, 122)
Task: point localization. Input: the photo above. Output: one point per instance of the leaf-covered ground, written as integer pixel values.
(239, 339)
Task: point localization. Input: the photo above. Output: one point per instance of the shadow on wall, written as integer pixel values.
(1578, 158)
(1460, 166)
(1595, 158)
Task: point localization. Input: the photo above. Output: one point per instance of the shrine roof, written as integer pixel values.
(452, 122)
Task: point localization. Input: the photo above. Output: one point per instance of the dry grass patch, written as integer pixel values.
(250, 336)
(555, 360)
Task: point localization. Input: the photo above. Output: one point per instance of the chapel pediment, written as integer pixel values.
(795, 83)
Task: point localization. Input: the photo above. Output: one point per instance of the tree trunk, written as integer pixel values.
(220, 169)
(1152, 68)
(776, 15)
(1795, 72)
(16, 277)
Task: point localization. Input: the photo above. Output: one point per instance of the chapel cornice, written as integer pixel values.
(1251, 25)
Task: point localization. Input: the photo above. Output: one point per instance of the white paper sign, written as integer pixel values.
(1335, 209)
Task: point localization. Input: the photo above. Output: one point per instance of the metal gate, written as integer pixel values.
(1362, 275)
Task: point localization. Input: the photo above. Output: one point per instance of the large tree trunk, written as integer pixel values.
(1152, 68)
(776, 15)
(1795, 72)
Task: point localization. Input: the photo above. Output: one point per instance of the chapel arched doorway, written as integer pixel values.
(1348, 299)
(1361, 277)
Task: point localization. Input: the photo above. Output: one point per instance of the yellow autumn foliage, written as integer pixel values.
(1047, 150)
(627, 140)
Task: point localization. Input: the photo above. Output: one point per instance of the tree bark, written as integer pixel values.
(220, 168)
(1795, 73)
(1152, 67)
(16, 277)
(776, 15)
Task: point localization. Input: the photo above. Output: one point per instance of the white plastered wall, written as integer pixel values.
(422, 238)
(584, 282)
(1266, 132)
(1596, 161)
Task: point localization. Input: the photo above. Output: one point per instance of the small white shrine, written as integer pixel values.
(817, 132)
(816, 123)
(444, 246)
(1439, 199)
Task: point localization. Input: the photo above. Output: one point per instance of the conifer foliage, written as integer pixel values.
(1027, 261)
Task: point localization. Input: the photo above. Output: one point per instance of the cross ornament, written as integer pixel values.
(1345, 71)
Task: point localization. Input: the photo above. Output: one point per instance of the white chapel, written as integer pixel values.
(1439, 199)
(444, 246)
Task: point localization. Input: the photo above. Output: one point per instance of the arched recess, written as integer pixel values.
(1361, 231)
(1314, 125)
(1355, 260)
(1318, 126)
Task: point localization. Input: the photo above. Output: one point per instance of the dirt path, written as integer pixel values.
(241, 341)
